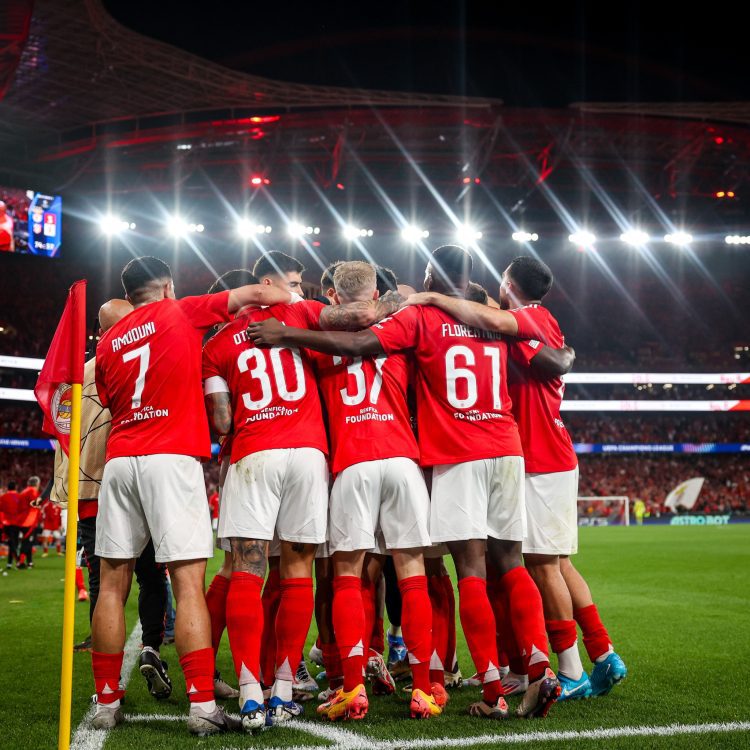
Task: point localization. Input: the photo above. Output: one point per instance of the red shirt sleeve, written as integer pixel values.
(400, 331)
(209, 368)
(300, 315)
(532, 322)
(523, 351)
(206, 310)
(101, 390)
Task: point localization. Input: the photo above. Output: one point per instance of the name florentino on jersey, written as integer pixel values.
(133, 335)
(453, 330)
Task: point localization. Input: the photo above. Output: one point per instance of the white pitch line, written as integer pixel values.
(87, 738)
(344, 739)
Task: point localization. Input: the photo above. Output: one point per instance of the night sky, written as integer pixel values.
(527, 54)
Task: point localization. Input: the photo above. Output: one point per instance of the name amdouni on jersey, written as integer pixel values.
(133, 335)
(458, 330)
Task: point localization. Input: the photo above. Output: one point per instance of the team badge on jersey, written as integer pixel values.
(62, 408)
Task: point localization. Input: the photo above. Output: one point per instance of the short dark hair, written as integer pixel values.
(232, 280)
(12, 485)
(386, 280)
(532, 277)
(326, 280)
(140, 272)
(476, 293)
(451, 266)
(276, 264)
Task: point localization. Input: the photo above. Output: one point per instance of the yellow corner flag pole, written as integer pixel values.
(71, 542)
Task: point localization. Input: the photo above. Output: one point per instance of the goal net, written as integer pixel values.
(604, 511)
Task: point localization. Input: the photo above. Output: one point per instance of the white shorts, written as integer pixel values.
(160, 497)
(477, 499)
(552, 513)
(389, 496)
(283, 489)
(54, 534)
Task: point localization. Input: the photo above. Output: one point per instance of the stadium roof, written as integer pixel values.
(80, 66)
(91, 104)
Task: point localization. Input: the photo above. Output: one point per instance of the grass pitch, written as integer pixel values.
(676, 601)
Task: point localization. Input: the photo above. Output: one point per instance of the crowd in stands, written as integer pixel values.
(652, 478)
(648, 477)
(627, 427)
(657, 392)
(646, 328)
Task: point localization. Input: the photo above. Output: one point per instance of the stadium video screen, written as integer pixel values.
(30, 222)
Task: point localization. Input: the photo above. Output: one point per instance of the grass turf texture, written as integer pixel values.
(675, 601)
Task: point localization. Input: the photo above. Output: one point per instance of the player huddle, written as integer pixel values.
(309, 396)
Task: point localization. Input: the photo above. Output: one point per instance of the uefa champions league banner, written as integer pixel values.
(586, 448)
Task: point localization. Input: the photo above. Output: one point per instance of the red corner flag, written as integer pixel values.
(63, 366)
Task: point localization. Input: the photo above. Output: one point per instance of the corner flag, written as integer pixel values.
(58, 391)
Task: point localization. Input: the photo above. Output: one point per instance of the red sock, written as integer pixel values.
(107, 668)
(450, 660)
(198, 668)
(292, 623)
(595, 635)
(270, 601)
(244, 620)
(527, 617)
(80, 585)
(58, 547)
(216, 601)
(439, 603)
(478, 624)
(562, 634)
(369, 591)
(377, 640)
(349, 626)
(416, 626)
(508, 653)
(332, 664)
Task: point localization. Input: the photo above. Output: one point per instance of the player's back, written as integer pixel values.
(274, 394)
(368, 416)
(148, 373)
(463, 406)
(536, 399)
(9, 508)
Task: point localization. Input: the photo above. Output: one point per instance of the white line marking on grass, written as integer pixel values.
(344, 739)
(87, 738)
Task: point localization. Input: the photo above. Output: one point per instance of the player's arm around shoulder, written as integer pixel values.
(354, 316)
(470, 313)
(271, 332)
(259, 295)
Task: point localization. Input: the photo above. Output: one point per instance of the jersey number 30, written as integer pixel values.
(258, 358)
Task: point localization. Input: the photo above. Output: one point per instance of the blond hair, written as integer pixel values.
(354, 280)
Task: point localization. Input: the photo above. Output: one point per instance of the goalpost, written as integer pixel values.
(612, 510)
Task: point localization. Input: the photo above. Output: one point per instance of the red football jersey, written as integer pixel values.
(28, 515)
(9, 509)
(547, 447)
(51, 519)
(274, 395)
(365, 398)
(463, 407)
(148, 373)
